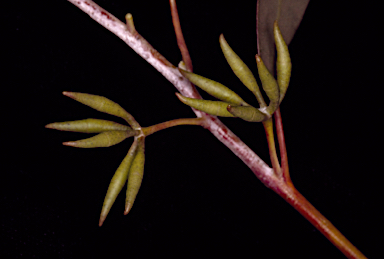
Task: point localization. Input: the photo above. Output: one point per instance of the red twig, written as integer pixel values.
(179, 36)
(268, 126)
(282, 147)
(302, 205)
(218, 129)
(171, 73)
(164, 125)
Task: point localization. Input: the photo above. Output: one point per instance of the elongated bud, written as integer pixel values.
(214, 88)
(247, 113)
(283, 63)
(215, 108)
(88, 126)
(104, 139)
(269, 84)
(118, 181)
(135, 176)
(103, 104)
(241, 70)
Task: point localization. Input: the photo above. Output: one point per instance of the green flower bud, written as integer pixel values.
(283, 63)
(103, 104)
(135, 176)
(247, 113)
(269, 84)
(214, 88)
(104, 139)
(215, 108)
(241, 70)
(117, 182)
(88, 126)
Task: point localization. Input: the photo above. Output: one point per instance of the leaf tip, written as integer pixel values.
(70, 143)
(103, 215)
(128, 208)
(101, 220)
(181, 98)
(50, 126)
(70, 94)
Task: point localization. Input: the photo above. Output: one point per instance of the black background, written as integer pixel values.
(197, 199)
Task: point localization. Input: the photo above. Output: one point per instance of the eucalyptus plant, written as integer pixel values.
(229, 104)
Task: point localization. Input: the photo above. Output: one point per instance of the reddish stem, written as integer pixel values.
(282, 147)
(219, 130)
(164, 125)
(302, 205)
(179, 36)
(268, 126)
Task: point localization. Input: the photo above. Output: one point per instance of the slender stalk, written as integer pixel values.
(188, 121)
(268, 126)
(179, 36)
(282, 147)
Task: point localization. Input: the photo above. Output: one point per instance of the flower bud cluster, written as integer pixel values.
(110, 133)
(231, 104)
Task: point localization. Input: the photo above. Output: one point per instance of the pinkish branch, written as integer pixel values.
(280, 185)
(179, 36)
(170, 72)
(282, 147)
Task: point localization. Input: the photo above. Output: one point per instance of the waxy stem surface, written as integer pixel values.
(261, 170)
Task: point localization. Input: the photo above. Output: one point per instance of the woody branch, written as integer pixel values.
(280, 185)
(171, 73)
